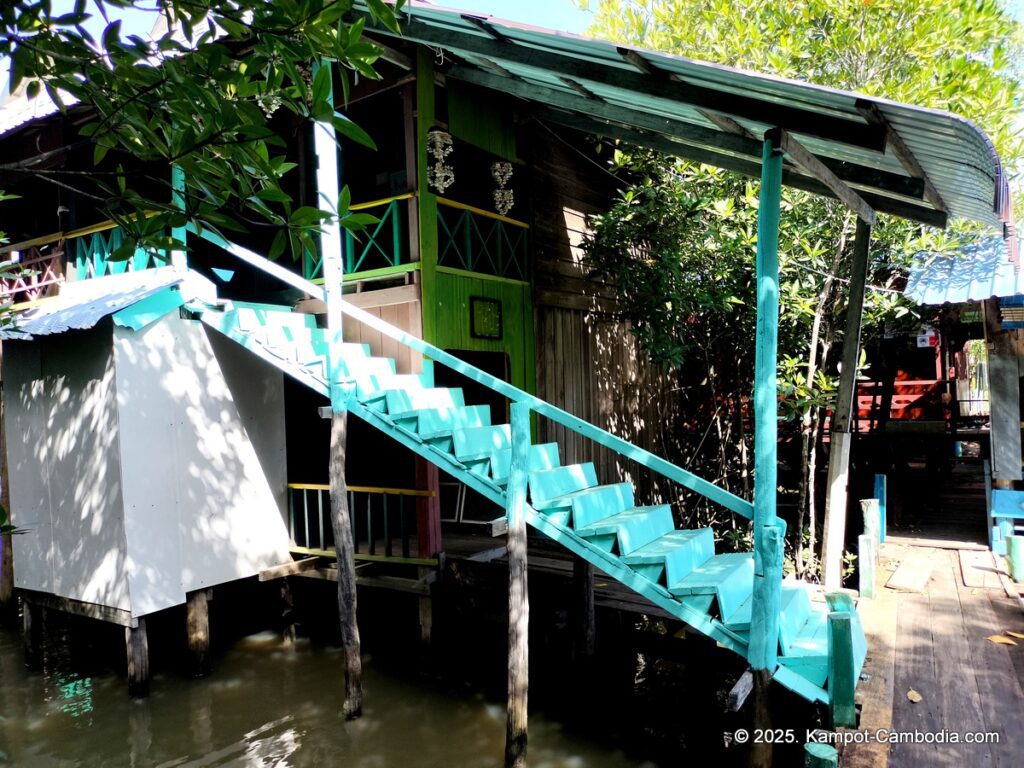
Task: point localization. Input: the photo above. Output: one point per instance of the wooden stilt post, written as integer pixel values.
(841, 670)
(137, 647)
(834, 537)
(327, 179)
(766, 598)
(32, 617)
(518, 598)
(1004, 394)
(197, 625)
(428, 535)
(583, 587)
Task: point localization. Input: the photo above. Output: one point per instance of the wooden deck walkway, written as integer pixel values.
(933, 644)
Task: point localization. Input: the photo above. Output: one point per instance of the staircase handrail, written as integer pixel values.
(601, 436)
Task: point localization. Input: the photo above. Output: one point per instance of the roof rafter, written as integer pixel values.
(742, 165)
(903, 153)
(697, 136)
(793, 118)
(799, 154)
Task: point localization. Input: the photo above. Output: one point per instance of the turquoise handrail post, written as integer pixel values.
(881, 489)
(766, 599)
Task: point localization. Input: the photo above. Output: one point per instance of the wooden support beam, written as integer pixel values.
(765, 605)
(873, 114)
(789, 116)
(637, 60)
(289, 569)
(137, 648)
(580, 89)
(327, 181)
(197, 625)
(816, 168)
(727, 124)
(740, 162)
(495, 67)
(841, 670)
(428, 509)
(32, 619)
(834, 537)
(1004, 396)
(518, 597)
(485, 26)
(583, 589)
(740, 691)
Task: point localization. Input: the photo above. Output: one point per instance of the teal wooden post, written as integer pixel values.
(881, 489)
(178, 258)
(326, 148)
(518, 598)
(841, 670)
(766, 600)
(1015, 557)
(820, 756)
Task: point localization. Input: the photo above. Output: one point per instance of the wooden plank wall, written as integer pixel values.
(588, 362)
(398, 306)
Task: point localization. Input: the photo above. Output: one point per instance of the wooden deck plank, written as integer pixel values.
(913, 573)
(978, 569)
(1001, 697)
(960, 700)
(875, 692)
(915, 670)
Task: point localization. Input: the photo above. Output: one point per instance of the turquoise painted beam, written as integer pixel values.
(881, 492)
(766, 598)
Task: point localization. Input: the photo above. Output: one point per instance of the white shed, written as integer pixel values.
(146, 453)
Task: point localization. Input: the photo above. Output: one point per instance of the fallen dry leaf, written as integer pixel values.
(1018, 635)
(1000, 640)
(914, 696)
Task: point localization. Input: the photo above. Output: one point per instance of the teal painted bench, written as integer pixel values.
(1007, 509)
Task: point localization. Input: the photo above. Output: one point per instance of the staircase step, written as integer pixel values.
(808, 653)
(669, 558)
(793, 614)
(629, 530)
(589, 505)
(480, 442)
(795, 607)
(434, 423)
(253, 316)
(552, 483)
(730, 577)
(540, 457)
(404, 404)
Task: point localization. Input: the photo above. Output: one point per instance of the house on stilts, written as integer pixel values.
(163, 415)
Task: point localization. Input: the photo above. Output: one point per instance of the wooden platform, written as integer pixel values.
(934, 643)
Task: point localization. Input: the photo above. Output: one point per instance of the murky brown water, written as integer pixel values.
(264, 705)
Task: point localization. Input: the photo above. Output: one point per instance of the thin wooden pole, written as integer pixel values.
(518, 598)
(834, 536)
(197, 625)
(327, 179)
(583, 586)
(764, 626)
(137, 648)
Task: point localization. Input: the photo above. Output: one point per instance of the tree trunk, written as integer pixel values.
(341, 523)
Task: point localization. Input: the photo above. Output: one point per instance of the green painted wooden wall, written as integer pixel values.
(451, 300)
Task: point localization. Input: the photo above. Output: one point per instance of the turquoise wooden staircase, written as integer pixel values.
(677, 570)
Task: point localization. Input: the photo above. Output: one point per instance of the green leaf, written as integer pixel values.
(350, 130)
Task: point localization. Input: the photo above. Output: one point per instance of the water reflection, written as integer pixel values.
(264, 706)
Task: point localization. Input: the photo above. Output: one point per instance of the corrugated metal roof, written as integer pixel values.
(16, 109)
(975, 273)
(663, 101)
(82, 304)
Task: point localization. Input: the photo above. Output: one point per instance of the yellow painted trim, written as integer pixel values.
(482, 212)
(431, 561)
(33, 303)
(92, 229)
(363, 489)
(382, 201)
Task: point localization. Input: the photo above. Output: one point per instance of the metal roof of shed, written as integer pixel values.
(973, 273)
(717, 114)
